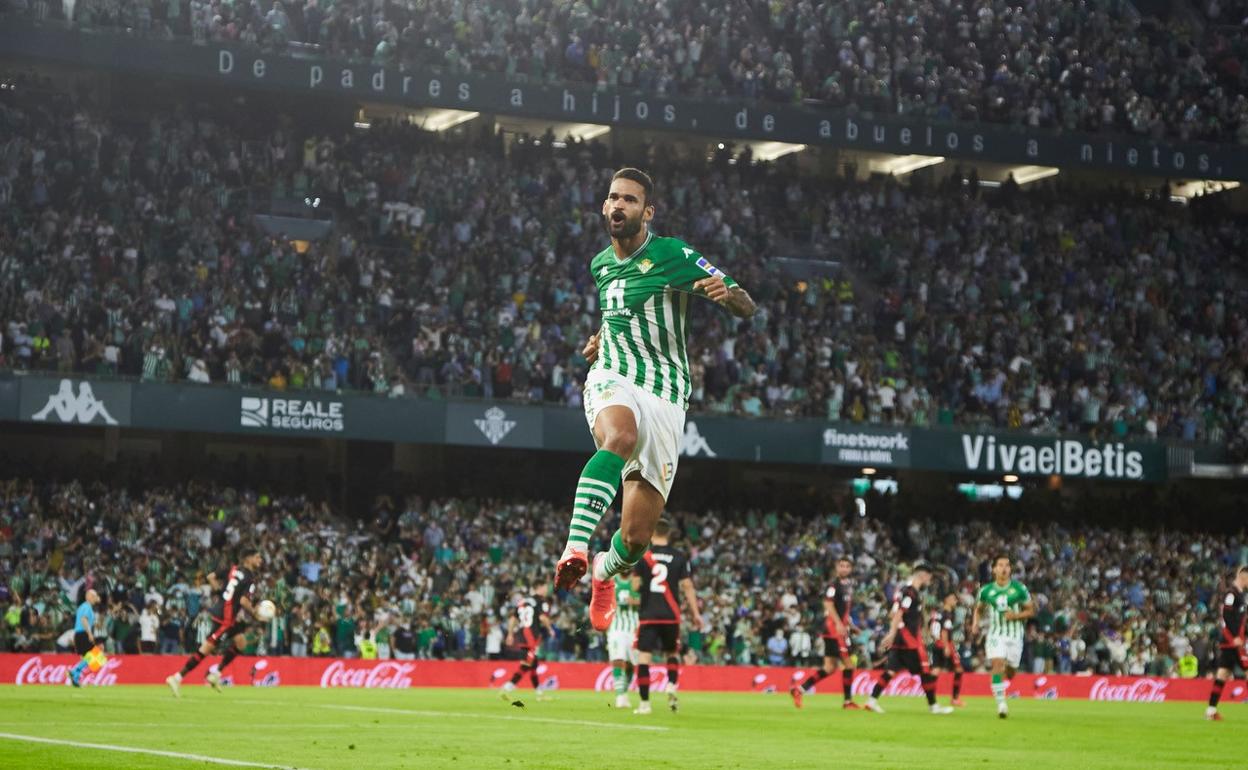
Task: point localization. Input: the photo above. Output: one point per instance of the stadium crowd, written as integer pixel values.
(1092, 66)
(457, 269)
(439, 577)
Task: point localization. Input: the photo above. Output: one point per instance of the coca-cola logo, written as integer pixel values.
(33, 671)
(902, 684)
(1139, 691)
(384, 674)
(606, 681)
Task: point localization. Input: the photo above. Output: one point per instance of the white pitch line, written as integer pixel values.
(251, 725)
(464, 715)
(133, 750)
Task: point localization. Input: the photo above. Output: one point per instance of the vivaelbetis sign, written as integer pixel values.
(489, 93)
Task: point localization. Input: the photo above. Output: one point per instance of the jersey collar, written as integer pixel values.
(641, 248)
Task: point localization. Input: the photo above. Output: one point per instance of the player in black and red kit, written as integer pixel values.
(836, 630)
(1231, 630)
(945, 655)
(234, 587)
(904, 641)
(658, 630)
(528, 627)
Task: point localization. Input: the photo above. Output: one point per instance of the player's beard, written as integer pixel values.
(625, 229)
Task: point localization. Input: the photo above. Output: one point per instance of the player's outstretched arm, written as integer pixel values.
(735, 299)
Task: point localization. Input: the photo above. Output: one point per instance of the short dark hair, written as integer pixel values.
(845, 558)
(923, 566)
(664, 527)
(1243, 569)
(998, 557)
(638, 176)
(252, 550)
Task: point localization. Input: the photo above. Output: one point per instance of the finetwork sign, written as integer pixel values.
(1063, 457)
(292, 414)
(863, 448)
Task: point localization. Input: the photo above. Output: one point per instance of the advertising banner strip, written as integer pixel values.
(317, 414)
(236, 65)
(51, 669)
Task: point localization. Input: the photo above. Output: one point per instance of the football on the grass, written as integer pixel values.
(266, 610)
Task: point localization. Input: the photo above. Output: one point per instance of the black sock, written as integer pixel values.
(515, 678)
(957, 684)
(192, 662)
(814, 679)
(533, 677)
(880, 685)
(643, 680)
(227, 658)
(929, 688)
(847, 683)
(1216, 694)
(673, 671)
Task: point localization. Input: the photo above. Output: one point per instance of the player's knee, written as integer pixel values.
(636, 536)
(620, 438)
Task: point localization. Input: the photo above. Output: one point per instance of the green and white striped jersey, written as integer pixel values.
(625, 619)
(1003, 599)
(644, 300)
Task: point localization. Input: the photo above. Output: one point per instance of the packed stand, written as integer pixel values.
(1098, 66)
(439, 578)
(130, 250)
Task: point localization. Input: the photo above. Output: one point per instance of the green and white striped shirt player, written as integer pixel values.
(625, 620)
(1000, 600)
(644, 300)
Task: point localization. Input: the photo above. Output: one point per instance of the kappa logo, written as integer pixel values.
(495, 426)
(255, 412)
(83, 408)
(603, 271)
(694, 443)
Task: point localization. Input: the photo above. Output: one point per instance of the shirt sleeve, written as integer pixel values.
(685, 267)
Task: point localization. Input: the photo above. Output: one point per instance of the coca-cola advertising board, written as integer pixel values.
(51, 669)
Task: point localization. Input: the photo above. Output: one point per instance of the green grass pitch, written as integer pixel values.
(425, 728)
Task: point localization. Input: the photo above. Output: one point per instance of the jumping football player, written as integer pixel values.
(638, 386)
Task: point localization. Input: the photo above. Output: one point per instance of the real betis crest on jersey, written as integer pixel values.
(644, 300)
(1000, 600)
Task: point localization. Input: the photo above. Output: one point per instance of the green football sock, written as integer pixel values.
(620, 558)
(595, 491)
(998, 688)
(621, 681)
